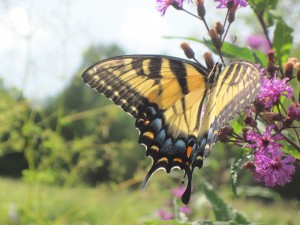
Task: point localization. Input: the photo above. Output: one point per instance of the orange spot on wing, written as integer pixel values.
(177, 160)
(189, 151)
(146, 122)
(155, 148)
(164, 159)
(149, 134)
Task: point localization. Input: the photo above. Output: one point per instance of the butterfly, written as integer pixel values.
(179, 105)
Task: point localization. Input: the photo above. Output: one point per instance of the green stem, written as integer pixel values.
(264, 26)
(202, 19)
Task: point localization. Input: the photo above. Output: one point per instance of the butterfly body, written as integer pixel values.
(167, 95)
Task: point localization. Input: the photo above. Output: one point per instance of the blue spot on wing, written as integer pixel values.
(179, 147)
(156, 125)
(167, 146)
(151, 111)
(160, 138)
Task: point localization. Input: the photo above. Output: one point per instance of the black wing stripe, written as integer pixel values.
(180, 72)
(200, 110)
(155, 66)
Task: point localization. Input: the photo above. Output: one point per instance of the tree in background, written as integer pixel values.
(76, 137)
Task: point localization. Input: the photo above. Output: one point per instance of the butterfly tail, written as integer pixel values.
(185, 198)
(153, 168)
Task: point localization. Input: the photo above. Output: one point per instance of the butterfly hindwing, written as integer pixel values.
(165, 95)
(235, 88)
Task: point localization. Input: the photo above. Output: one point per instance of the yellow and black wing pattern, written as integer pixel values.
(166, 95)
(231, 91)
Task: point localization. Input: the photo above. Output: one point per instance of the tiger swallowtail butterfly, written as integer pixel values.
(179, 105)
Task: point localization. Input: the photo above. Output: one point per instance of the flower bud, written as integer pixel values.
(294, 111)
(250, 121)
(292, 60)
(188, 51)
(259, 106)
(245, 132)
(287, 122)
(225, 133)
(230, 4)
(288, 70)
(215, 38)
(231, 15)
(271, 63)
(270, 117)
(177, 5)
(219, 28)
(209, 60)
(297, 68)
(200, 8)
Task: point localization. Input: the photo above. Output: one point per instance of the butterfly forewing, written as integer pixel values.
(164, 94)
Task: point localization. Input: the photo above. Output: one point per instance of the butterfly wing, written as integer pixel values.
(165, 95)
(236, 87)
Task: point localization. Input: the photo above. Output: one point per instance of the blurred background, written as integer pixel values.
(67, 154)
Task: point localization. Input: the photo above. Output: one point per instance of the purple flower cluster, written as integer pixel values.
(167, 213)
(272, 89)
(163, 5)
(258, 42)
(236, 3)
(269, 163)
(294, 111)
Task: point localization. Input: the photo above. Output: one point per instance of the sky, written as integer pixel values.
(42, 41)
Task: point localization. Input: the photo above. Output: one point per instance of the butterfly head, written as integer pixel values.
(214, 74)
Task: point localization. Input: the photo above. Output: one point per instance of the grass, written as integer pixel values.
(22, 203)
(40, 204)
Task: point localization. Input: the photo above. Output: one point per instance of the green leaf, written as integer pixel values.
(222, 211)
(239, 160)
(288, 149)
(263, 9)
(231, 51)
(237, 124)
(260, 6)
(283, 41)
(258, 191)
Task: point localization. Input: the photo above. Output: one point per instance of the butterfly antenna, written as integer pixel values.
(231, 44)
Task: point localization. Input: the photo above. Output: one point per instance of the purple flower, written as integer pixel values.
(294, 111)
(258, 42)
(265, 142)
(269, 165)
(236, 3)
(185, 209)
(178, 192)
(163, 5)
(272, 89)
(273, 169)
(165, 215)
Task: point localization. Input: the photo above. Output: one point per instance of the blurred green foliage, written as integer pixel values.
(23, 203)
(77, 137)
